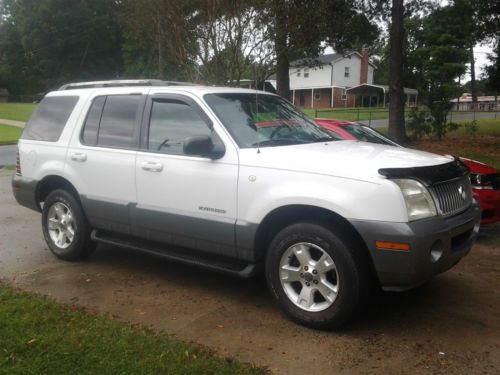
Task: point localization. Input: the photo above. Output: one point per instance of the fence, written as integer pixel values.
(378, 116)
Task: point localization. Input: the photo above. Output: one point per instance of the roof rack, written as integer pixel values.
(123, 83)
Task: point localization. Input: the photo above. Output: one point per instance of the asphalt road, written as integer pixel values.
(384, 123)
(450, 325)
(8, 155)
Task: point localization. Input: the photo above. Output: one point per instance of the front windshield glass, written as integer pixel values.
(264, 120)
(366, 134)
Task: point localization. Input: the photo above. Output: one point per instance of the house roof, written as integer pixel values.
(324, 59)
(367, 89)
(311, 61)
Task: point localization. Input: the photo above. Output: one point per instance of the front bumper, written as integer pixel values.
(489, 201)
(401, 270)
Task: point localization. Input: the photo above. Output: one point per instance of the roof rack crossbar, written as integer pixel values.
(123, 83)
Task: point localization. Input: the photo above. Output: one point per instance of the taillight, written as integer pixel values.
(18, 164)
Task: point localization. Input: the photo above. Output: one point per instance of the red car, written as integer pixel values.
(485, 179)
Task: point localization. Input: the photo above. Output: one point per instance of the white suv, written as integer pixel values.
(230, 179)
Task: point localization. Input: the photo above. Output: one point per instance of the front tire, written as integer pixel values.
(315, 275)
(65, 227)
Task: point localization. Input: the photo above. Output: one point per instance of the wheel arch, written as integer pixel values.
(52, 182)
(283, 216)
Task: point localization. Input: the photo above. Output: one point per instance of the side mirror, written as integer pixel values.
(202, 145)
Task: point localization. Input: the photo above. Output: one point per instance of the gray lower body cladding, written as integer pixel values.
(217, 237)
(24, 190)
(448, 239)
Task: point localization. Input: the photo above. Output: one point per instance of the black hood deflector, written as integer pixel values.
(429, 175)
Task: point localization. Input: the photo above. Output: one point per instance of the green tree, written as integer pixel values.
(298, 29)
(492, 72)
(159, 38)
(396, 71)
(442, 54)
(44, 43)
(395, 68)
(481, 23)
(231, 39)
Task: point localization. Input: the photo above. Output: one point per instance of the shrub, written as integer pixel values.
(452, 127)
(419, 124)
(471, 128)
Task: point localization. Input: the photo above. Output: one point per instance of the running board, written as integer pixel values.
(181, 255)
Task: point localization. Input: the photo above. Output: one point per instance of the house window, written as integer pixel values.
(306, 73)
(317, 95)
(347, 72)
(298, 73)
(344, 94)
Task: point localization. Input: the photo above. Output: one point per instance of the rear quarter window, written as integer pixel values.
(112, 121)
(49, 119)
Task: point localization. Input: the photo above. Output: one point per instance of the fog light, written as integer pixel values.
(436, 251)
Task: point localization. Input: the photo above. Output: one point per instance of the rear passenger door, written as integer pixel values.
(101, 159)
(183, 199)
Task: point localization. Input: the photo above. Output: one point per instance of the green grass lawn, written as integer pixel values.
(9, 134)
(16, 111)
(40, 336)
(484, 146)
(349, 114)
(486, 126)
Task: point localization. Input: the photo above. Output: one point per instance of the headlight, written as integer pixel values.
(484, 181)
(419, 202)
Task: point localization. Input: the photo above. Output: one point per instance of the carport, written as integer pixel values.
(375, 95)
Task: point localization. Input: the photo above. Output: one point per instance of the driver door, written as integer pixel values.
(183, 200)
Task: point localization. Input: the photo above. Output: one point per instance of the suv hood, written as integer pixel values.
(350, 159)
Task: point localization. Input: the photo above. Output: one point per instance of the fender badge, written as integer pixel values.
(252, 178)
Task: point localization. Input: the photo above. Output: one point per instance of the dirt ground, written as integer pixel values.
(450, 325)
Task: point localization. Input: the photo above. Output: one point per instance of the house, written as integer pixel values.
(484, 103)
(339, 80)
(322, 82)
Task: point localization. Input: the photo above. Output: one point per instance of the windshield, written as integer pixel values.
(366, 134)
(264, 120)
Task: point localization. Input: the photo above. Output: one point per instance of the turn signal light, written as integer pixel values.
(396, 246)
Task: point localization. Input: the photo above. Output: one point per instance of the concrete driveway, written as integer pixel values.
(450, 325)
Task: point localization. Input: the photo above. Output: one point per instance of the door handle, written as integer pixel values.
(78, 156)
(152, 166)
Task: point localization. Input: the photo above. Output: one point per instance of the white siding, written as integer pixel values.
(318, 77)
(370, 75)
(322, 77)
(354, 64)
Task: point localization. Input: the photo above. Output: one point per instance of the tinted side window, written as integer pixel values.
(118, 121)
(171, 123)
(47, 123)
(91, 127)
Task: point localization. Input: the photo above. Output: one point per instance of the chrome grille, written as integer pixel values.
(452, 196)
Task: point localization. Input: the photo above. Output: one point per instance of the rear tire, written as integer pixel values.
(316, 276)
(65, 227)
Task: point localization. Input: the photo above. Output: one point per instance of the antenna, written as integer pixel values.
(257, 111)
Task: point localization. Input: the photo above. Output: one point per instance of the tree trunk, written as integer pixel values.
(397, 129)
(473, 77)
(281, 45)
(161, 64)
